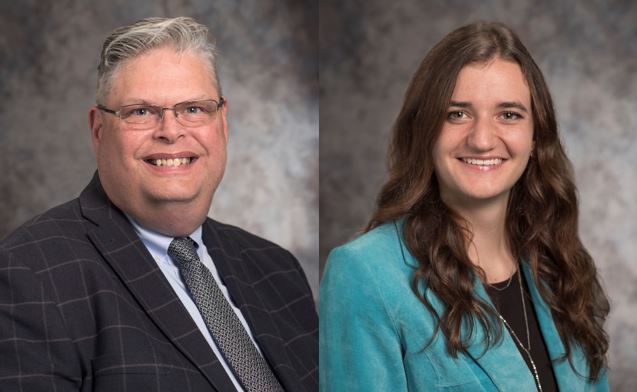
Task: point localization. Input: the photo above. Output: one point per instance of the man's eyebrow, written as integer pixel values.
(136, 101)
(143, 101)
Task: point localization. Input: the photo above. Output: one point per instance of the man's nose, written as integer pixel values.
(168, 127)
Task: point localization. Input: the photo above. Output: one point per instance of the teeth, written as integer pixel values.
(171, 162)
(482, 162)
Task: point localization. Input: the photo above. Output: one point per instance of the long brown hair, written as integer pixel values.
(542, 212)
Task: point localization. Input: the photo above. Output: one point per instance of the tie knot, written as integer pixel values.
(183, 250)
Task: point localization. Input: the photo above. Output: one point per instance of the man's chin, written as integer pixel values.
(171, 196)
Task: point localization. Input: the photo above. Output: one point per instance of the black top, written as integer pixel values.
(506, 298)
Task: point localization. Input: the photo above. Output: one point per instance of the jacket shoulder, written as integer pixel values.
(381, 248)
(384, 235)
(250, 246)
(51, 239)
(55, 222)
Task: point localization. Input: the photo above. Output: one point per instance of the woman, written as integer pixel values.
(471, 275)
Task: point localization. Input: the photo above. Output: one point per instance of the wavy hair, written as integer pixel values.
(542, 211)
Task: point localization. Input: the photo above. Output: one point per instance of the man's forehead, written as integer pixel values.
(163, 76)
(160, 58)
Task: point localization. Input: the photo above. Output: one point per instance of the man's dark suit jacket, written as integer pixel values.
(84, 307)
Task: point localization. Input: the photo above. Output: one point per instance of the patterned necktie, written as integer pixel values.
(249, 367)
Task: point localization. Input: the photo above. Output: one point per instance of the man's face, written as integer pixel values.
(127, 158)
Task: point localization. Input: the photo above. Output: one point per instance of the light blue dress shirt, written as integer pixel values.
(157, 244)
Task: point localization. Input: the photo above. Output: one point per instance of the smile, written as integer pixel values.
(171, 161)
(482, 162)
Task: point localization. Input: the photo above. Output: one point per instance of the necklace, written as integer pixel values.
(527, 349)
(505, 286)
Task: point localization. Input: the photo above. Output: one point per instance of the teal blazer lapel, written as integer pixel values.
(568, 379)
(503, 362)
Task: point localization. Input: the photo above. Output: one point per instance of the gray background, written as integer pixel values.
(49, 52)
(588, 53)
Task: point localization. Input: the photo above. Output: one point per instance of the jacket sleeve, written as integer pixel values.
(36, 353)
(360, 348)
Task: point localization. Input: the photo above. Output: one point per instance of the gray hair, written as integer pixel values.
(127, 42)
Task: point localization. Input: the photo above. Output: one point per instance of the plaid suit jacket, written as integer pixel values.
(84, 307)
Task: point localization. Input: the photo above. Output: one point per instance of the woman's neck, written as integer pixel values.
(488, 248)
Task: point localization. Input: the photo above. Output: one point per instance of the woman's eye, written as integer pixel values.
(511, 116)
(456, 115)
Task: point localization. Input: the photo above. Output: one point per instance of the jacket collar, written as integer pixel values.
(115, 238)
(503, 363)
(569, 378)
(504, 359)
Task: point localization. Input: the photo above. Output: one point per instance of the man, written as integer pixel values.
(131, 287)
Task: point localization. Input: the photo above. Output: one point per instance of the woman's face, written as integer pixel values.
(487, 137)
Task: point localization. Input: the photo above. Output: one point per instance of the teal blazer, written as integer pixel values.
(373, 331)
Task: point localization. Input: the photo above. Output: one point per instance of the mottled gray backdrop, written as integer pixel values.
(269, 71)
(588, 52)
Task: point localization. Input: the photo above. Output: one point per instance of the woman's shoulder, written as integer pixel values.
(381, 248)
(369, 278)
(387, 234)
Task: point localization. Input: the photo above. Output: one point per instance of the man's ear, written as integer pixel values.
(224, 118)
(96, 124)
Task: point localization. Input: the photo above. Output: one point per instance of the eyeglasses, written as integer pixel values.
(188, 114)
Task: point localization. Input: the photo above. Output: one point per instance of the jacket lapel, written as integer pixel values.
(240, 282)
(116, 240)
(567, 378)
(503, 362)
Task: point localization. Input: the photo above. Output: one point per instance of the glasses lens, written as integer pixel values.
(196, 113)
(139, 116)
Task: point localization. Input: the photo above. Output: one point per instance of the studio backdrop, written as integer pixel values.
(268, 66)
(588, 52)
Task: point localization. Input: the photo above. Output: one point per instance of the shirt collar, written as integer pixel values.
(158, 243)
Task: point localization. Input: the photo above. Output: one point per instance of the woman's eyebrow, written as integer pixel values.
(502, 105)
(461, 104)
(513, 104)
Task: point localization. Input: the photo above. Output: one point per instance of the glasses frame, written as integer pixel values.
(160, 109)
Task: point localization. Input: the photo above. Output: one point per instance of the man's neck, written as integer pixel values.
(171, 219)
